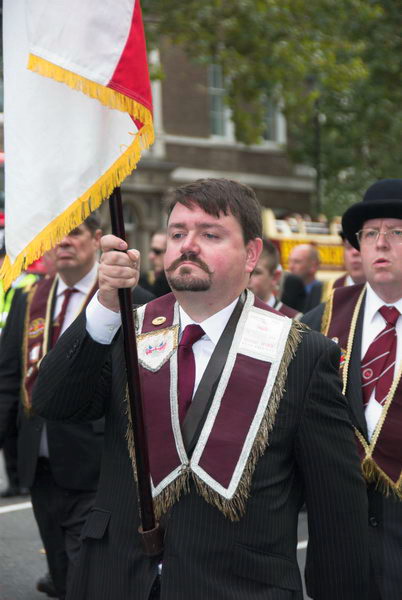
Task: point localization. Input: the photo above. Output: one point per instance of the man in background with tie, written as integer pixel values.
(365, 321)
(244, 416)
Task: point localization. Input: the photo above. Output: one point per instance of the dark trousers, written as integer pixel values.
(60, 514)
(10, 452)
(155, 593)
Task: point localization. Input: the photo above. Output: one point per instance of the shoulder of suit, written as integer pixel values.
(314, 339)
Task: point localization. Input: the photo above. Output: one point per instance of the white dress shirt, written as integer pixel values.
(77, 299)
(74, 307)
(102, 325)
(373, 323)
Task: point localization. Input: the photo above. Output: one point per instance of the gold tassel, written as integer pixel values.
(374, 474)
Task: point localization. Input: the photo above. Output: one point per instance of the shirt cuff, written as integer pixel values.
(102, 323)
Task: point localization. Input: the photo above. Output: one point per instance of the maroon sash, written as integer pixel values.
(382, 456)
(37, 330)
(242, 413)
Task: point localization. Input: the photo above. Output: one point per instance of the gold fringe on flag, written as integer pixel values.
(83, 206)
(106, 96)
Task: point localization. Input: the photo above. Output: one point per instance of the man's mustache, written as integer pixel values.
(186, 257)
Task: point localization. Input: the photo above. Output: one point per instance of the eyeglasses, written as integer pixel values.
(157, 251)
(370, 236)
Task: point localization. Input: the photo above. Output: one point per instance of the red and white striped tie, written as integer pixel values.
(379, 361)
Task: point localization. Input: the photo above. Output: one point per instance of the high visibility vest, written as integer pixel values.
(6, 298)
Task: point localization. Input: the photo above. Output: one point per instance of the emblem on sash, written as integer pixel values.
(36, 328)
(158, 321)
(156, 347)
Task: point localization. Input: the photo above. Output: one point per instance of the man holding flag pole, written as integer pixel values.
(68, 151)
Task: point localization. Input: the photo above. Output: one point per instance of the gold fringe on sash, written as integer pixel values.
(234, 508)
(90, 200)
(327, 314)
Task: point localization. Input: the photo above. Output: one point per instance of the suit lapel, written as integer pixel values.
(354, 386)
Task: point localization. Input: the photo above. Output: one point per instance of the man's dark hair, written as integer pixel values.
(216, 196)
(271, 254)
(92, 222)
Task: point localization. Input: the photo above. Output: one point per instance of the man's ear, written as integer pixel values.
(253, 249)
(277, 276)
(97, 236)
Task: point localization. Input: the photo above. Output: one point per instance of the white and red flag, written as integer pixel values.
(66, 151)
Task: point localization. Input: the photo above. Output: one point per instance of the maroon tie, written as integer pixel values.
(58, 323)
(379, 360)
(186, 366)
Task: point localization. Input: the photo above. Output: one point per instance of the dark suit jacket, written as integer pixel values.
(74, 450)
(311, 457)
(384, 513)
(313, 298)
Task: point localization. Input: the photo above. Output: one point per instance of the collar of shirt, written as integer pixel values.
(213, 326)
(84, 285)
(272, 300)
(309, 286)
(374, 302)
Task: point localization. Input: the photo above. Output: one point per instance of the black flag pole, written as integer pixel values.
(150, 531)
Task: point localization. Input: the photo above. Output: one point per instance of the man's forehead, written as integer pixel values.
(385, 222)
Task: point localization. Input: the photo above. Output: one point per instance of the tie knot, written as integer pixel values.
(191, 334)
(69, 291)
(390, 314)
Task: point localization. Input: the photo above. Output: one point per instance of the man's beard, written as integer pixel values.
(183, 281)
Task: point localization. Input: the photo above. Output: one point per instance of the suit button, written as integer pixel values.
(373, 522)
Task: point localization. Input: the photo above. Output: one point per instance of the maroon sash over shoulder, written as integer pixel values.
(382, 456)
(242, 413)
(37, 330)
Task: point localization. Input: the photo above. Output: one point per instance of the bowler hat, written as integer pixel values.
(383, 199)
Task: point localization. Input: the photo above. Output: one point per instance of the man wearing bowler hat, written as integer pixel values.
(365, 321)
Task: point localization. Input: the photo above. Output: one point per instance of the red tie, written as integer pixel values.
(379, 360)
(186, 366)
(58, 323)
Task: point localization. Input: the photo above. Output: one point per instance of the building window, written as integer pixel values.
(221, 124)
(218, 112)
(270, 121)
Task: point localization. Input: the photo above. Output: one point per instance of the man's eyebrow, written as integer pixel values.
(198, 226)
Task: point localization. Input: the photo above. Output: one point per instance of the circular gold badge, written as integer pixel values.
(158, 320)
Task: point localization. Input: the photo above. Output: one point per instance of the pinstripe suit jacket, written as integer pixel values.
(311, 456)
(384, 513)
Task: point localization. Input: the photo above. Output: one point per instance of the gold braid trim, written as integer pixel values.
(235, 508)
(327, 315)
(349, 347)
(24, 393)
